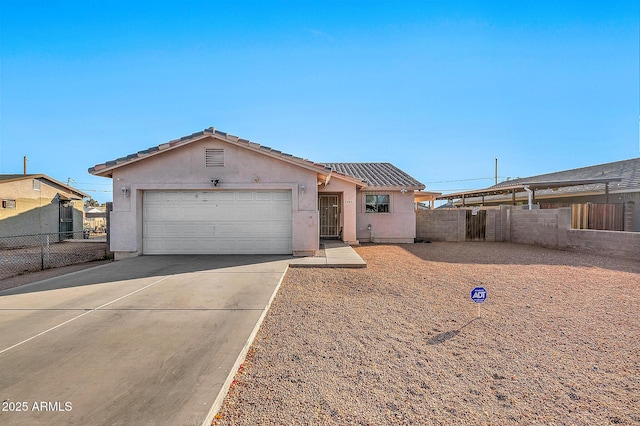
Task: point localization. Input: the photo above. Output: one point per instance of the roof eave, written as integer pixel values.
(408, 188)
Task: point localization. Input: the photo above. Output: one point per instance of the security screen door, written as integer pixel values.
(329, 222)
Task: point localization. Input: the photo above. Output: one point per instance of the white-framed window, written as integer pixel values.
(8, 204)
(377, 203)
(214, 157)
(36, 185)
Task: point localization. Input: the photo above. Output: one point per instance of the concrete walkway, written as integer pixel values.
(336, 255)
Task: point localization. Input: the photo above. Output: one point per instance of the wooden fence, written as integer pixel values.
(602, 217)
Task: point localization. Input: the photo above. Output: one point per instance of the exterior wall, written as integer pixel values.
(613, 198)
(609, 243)
(184, 169)
(450, 224)
(441, 225)
(348, 196)
(547, 227)
(539, 227)
(397, 226)
(37, 211)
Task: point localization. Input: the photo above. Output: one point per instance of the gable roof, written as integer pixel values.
(106, 169)
(377, 174)
(42, 177)
(361, 174)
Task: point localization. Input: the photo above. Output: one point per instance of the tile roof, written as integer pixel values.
(103, 168)
(377, 174)
(373, 174)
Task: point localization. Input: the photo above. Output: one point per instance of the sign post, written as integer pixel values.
(479, 295)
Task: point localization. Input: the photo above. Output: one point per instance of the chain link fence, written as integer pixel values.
(27, 253)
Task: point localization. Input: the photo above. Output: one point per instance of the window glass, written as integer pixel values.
(377, 203)
(372, 203)
(8, 204)
(383, 204)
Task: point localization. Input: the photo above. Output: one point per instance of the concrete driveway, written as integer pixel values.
(147, 340)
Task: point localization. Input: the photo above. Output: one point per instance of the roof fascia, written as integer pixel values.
(241, 143)
(162, 148)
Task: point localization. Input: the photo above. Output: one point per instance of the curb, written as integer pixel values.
(217, 403)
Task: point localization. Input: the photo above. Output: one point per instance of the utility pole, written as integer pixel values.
(496, 172)
(24, 165)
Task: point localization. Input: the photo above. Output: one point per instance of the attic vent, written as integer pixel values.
(214, 157)
(36, 185)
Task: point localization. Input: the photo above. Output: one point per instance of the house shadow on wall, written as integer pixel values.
(39, 220)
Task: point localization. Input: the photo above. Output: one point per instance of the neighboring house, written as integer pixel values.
(214, 193)
(95, 219)
(615, 184)
(37, 204)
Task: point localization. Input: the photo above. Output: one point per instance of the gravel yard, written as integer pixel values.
(557, 343)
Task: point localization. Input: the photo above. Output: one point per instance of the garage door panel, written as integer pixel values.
(217, 222)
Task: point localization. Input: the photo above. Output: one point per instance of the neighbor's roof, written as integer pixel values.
(627, 171)
(619, 176)
(40, 176)
(362, 174)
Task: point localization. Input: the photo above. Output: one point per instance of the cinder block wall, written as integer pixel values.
(441, 225)
(517, 224)
(610, 243)
(540, 227)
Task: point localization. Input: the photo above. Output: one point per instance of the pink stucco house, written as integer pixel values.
(214, 193)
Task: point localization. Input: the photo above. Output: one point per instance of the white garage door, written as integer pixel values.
(217, 222)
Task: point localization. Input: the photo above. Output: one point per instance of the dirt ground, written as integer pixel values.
(557, 341)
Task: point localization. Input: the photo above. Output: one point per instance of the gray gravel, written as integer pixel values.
(399, 341)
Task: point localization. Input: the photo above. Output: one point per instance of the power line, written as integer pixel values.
(465, 180)
(95, 190)
(93, 183)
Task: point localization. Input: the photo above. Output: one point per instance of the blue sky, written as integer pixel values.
(438, 88)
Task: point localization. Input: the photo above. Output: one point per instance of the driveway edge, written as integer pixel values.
(217, 404)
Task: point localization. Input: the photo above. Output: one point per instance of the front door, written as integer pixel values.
(66, 220)
(329, 219)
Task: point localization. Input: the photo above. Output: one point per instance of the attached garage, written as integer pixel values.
(217, 222)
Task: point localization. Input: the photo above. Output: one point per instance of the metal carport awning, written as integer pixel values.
(521, 187)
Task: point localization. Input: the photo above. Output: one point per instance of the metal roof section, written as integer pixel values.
(628, 171)
(616, 177)
(566, 187)
(378, 175)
